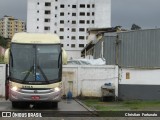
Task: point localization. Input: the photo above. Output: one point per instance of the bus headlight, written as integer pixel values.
(14, 88)
(56, 89)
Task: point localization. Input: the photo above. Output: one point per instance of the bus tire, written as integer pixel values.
(55, 104)
(19, 105)
(14, 104)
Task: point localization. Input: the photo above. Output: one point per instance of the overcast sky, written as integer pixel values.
(145, 13)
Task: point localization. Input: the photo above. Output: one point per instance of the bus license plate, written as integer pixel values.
(35, 97)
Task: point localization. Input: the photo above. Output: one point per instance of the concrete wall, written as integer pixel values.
(2, 79)
(73, 54)
(141, 84)
(87, 80)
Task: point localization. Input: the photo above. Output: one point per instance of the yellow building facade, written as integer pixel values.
(9, 26)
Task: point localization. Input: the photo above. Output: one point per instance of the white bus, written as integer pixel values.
(35, 69)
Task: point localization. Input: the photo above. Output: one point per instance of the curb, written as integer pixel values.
(85, 106)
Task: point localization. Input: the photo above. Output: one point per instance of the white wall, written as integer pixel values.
(87, 80)
(140, 76)
(102, 13)
(2, 79)
(75, 54)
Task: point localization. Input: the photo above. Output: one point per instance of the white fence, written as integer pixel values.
(87, 80)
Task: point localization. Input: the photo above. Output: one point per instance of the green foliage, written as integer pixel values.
(122, 105)
(135, 27)
(3, 42)
(1, 59)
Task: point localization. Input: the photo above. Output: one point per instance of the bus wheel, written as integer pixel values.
(55, 104)
(14, 104)
(19, 105)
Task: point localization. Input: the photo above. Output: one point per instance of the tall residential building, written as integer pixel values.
(9, 25)
(70, 19)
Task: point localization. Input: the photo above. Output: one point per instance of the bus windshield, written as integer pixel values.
(32, 63)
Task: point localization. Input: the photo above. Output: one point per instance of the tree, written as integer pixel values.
(135, 27)
(3, 42)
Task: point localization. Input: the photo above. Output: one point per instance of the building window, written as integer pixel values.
(88, 14)
(82, 5)
(88, 6)
(68, 29)
(37, 11)
(81, 29)
(87, 29)
(73, 38)
(56, 7)
(68, 21)
(73, 45)
(55, 24)
(81, 45)
(47, 20)
(61, 13)
(37, 3)
(92, 21)
(56, 0)
(47, 12)
(67, 44)
(61, 21)
(81, 37)
(55, 32)
(37, 27)
(61, 29)
(62, 6)
(92, 13)
(73, 29)
(67, 36)
(68, 5)
(82, 21)
(37, 20)
(61, 37)
(93, 5)
(73, 14)
(82, 13)
(47, 4)
(68, 13)
(61, 45)
(55, 15)
(73, 22)
(46, 28)
(88, 22)
(73, 6)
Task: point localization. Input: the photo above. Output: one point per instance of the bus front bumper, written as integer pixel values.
(54, 96)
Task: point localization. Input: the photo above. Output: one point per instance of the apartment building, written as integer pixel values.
(9, 25)
(70, 19)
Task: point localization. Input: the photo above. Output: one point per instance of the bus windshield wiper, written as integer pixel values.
(28, 73)
(44, 76)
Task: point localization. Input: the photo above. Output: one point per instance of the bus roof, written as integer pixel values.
(36, 38)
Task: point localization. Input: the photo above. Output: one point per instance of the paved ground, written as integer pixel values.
(63, 106)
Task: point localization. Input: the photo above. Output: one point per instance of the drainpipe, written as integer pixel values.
(102, 50)
(117, 46)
